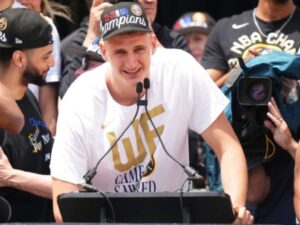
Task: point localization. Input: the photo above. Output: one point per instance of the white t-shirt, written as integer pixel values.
(17, 5)
(181, 96)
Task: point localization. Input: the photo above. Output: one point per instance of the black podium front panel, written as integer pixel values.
(159, 207)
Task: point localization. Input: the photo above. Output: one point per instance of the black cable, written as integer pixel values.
(147, 86)
(92, 172)
(181, 200)
(112, 210)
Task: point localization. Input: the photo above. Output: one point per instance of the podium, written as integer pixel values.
(5, 210)
(158, 207)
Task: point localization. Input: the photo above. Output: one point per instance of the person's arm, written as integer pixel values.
(48, 100)
(222, 139)
(36, 184)
(59, 187)
(94, 20)
(11, 117)
(218, 76)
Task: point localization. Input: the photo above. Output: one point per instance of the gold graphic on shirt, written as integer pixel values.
(33, 140)
(104, 125)
(260, 49)
(150, 134)
(148, 170)
(3, 24)
(132, 159)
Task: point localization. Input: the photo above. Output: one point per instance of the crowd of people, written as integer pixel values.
(141, 101)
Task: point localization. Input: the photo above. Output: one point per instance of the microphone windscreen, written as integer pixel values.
(139, 87)
(146, 83)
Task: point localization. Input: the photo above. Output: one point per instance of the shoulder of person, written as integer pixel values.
(238, 18)
(91, 77)
(173, 57)
(171, 53)
(169, 38)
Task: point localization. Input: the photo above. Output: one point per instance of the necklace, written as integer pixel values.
(277, 31)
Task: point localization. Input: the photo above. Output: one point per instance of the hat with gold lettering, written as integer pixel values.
(24, 29)
(122, 18)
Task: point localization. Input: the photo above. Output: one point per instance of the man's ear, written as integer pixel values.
(103, 50)
(154, 43)
(19, 59)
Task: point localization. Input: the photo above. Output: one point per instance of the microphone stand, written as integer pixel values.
(90, 174)
(191, 172)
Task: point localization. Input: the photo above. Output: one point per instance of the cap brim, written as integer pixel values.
(126, 30)
(5, 46)
(194, 29)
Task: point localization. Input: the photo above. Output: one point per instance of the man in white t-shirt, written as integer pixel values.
(102, 102)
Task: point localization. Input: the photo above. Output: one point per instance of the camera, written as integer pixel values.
(254, 91)
(118, 1)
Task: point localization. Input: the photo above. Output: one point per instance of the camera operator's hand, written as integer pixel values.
(279, 128)
(94, 21)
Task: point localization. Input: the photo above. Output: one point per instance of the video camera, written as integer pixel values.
(254, 91)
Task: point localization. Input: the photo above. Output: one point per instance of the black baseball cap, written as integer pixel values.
(24, 29)
(123, 17)
(194, 21)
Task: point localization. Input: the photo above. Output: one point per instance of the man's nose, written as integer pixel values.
(131, 62)
(51, 61)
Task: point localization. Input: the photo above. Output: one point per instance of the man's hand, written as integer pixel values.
(243, 216)
(94, 21)
(5, 167)
(281, 133)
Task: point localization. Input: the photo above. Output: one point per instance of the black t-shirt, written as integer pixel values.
(30, 150)
(230, 39)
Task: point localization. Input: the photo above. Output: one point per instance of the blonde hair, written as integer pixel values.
(54, 9)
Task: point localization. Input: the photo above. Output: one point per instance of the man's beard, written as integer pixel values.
(33, 76)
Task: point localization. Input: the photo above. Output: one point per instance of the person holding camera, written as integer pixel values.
(282, 135)
(104, 101)
(272, 25)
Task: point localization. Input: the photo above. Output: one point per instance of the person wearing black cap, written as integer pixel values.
(76, 47)
(102, 102)
(26, 55)
(47, 95)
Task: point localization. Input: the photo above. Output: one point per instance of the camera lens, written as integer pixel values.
(257, 91)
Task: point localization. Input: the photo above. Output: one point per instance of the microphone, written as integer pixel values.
(90, 174)
(191, 172)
